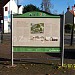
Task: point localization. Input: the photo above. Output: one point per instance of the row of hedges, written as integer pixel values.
(68, 28)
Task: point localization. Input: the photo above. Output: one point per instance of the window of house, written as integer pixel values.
(6, 8)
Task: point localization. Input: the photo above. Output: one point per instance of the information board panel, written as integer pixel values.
(36, 34)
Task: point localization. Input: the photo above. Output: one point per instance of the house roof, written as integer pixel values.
(72, 12)
(19, 6)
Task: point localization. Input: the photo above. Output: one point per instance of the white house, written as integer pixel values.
(10, 6)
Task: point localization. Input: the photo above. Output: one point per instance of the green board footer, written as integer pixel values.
(36, 49)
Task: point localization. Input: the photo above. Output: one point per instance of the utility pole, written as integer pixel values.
(72, 32)
(2, 26)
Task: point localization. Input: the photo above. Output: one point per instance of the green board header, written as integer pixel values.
(36, 14)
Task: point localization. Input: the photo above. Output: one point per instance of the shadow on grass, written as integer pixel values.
(68, 54)
(6, 61)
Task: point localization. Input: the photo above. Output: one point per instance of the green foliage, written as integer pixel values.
(68, 28)
(0, 1)
(29, 8)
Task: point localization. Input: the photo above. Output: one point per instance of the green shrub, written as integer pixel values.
(68, 28)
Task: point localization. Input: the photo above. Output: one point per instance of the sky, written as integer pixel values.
(58, 5)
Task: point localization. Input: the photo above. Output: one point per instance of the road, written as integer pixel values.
(67, 39)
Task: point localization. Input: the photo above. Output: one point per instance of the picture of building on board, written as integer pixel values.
(37, 28)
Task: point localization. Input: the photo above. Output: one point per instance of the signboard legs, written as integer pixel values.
(11, 38)
(62, 57)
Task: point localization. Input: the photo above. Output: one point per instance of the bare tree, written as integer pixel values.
(46, 5)
(55, 12)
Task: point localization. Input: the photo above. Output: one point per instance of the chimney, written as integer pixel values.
(68, 8)
(73, 7)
